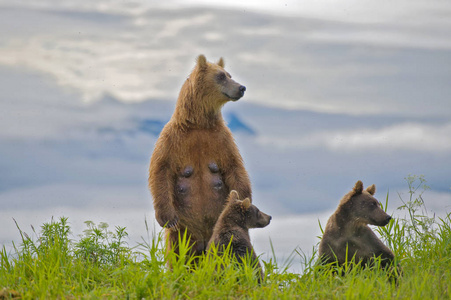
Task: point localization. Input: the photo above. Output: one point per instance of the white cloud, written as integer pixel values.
(349, 11)
(410, 136)
(415, 37)
(401, 137)
(173, 27)
(96, 66)
(293, 63)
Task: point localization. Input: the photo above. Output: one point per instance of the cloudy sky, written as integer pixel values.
(337, 91)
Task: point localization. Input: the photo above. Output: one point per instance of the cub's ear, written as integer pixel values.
(246, 204)
(358, 188)
(233, 196)
(371, 189)
(202, 61)
(221, 62)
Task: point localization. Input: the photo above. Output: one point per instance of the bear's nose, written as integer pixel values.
(242, 89)
(388, 219)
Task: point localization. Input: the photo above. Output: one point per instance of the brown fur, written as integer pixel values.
(196, 163)
(347, 229)
(233, 227)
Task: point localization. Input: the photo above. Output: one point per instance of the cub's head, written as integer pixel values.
(244, 212)
(213, 82)
(362, 207)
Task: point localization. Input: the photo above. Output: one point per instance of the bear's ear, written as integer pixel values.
(358, 188)
(371, 189)
(202, 61)
(246, 204)
(221, 62)
(233, 196)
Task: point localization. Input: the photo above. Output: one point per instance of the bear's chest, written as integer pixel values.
(200, 194)
(200, 157)
(202, 145)
(198, 183)
(198, 162)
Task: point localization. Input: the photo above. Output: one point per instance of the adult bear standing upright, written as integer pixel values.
(196, 162)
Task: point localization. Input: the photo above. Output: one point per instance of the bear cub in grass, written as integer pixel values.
(233, 227)
(347, 235)
(196, 163)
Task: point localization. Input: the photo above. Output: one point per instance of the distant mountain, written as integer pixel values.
(236, 125)
(154, 126)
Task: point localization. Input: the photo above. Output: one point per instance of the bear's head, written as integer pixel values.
(362, 207)
(214, 82)
(244, 213)
(206, 90)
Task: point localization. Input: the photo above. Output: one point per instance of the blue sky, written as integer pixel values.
(337, 91)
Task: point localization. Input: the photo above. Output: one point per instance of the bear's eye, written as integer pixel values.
(222, 76)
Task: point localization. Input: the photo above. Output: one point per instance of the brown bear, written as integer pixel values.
(233, 227)
(196, 163)
(347, 235)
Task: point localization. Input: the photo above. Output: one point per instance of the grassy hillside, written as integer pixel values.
(101, 265)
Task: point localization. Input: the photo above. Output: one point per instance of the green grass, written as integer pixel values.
(100, 265)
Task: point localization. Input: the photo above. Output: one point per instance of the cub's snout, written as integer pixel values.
(264, 220)
(387, 220)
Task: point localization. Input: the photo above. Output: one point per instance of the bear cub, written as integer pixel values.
(233, 227)
(347, 234)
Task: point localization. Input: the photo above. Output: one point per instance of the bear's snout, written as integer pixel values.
(383, 221)
(267, 220)
(387, 220)
(242, 90)
(232, 89)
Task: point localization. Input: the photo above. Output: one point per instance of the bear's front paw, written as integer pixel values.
(173, 224)
(170, 220)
